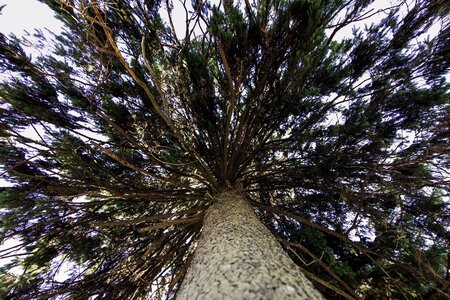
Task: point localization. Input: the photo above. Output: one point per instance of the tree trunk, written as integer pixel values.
(238, 258)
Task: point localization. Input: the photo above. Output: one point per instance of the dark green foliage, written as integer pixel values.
(117, 135)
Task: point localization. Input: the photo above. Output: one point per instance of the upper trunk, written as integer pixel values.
(238, 258)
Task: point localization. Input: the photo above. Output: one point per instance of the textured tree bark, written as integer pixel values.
(238, 258)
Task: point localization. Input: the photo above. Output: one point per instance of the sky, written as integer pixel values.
(17, 17)
(20, 15)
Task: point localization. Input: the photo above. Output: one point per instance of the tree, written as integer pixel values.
(340, 145)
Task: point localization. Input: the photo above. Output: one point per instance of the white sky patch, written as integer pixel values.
(25, 15)
(347, 31)
(180, 12)
(10, 247)
(81, 199)
(363, 228)
(24, 18)
(178, 16)
(379, 10)
(4, 183)
(64, 268)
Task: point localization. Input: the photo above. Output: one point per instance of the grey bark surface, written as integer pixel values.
(237, 257)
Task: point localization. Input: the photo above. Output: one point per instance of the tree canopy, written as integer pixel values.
(341, 143)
